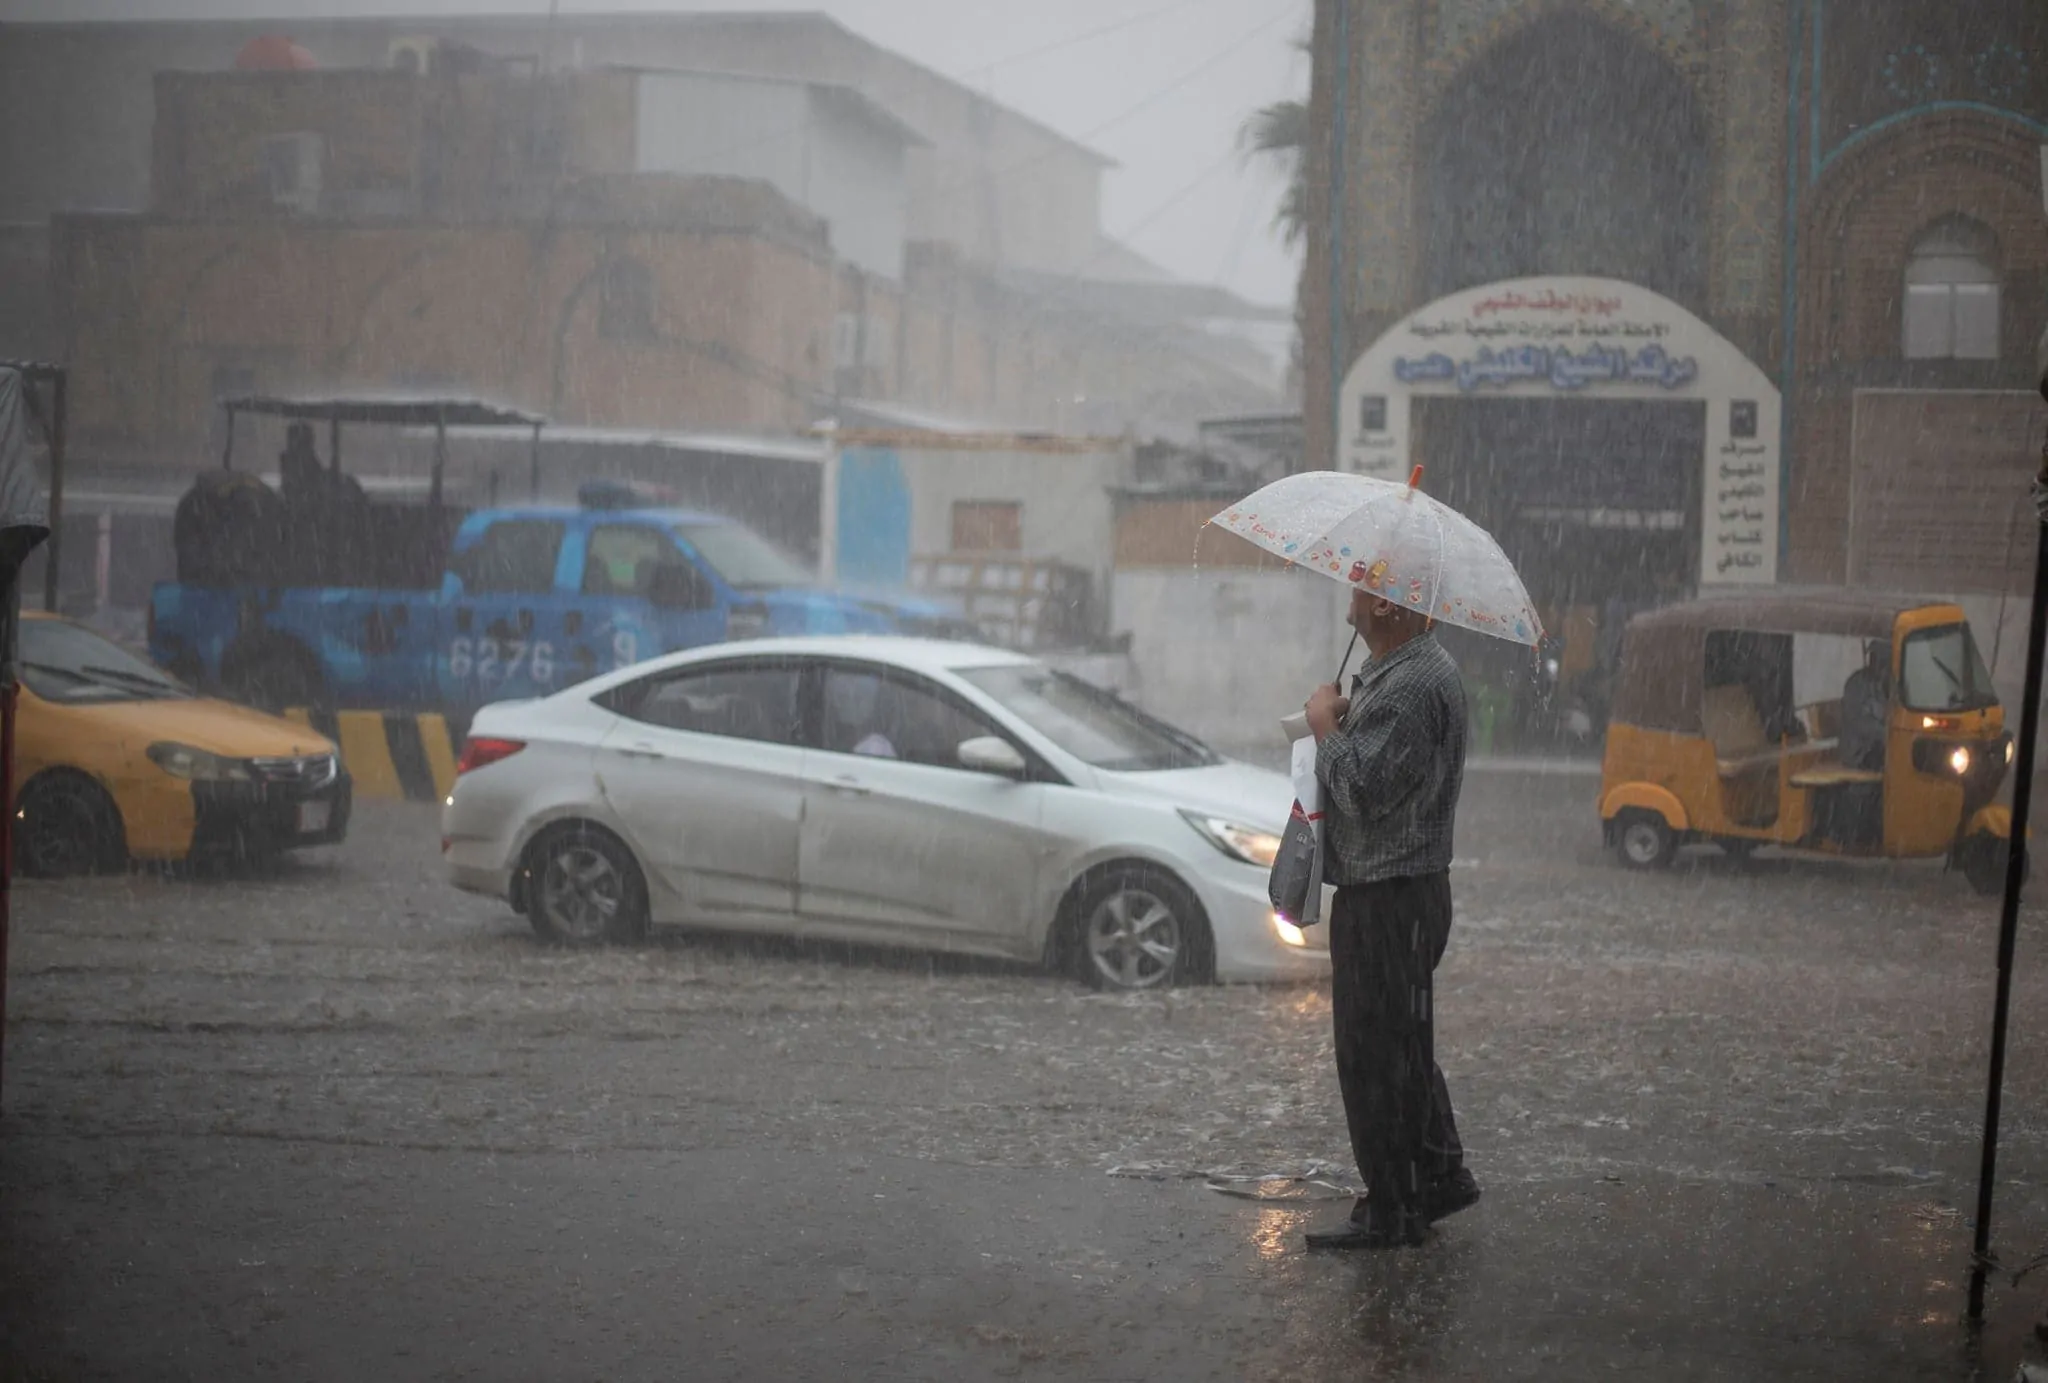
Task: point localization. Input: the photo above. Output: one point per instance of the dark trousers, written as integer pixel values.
(1385, 941)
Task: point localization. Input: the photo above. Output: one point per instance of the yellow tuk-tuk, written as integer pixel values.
(1828, 720)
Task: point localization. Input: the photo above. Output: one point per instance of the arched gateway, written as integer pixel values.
(1531, 361)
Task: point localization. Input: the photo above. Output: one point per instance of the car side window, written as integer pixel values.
(621, 559)
(511, 557)
(891, 715)
(755, 701)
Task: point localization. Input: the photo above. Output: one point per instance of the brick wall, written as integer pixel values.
(1857, 230)
(162, 316)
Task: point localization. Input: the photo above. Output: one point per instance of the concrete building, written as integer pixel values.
(1826, 217)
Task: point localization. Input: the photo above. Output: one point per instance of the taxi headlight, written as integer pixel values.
(1959, 760)
(196, 765)
(1243, 843)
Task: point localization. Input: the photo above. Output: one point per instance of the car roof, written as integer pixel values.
(918, 655)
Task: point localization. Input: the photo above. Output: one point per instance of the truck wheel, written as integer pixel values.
(1645, 841)
(278, 679)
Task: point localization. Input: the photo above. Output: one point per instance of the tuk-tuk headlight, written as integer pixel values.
(1959, 760)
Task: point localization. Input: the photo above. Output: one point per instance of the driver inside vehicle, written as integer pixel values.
(860, 708)
(1866, 707)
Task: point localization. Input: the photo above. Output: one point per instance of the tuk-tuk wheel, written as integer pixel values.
(1982, 858)
(1645, 841)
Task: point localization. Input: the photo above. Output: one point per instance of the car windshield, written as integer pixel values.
(1097, 727)
(742, 558)
(61, 661)
(1941, 670)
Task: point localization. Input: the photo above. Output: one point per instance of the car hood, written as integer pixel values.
(218, 727)
(811, 610)
(1239, 792)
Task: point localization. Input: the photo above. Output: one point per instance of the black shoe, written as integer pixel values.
(1458, 1191)
(1409, 1231)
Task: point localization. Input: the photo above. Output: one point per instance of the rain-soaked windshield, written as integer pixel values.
(1093, 725)
(62, 662)
(746, 561)
(1941, 670)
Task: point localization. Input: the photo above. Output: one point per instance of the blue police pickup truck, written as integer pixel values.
(530, 599)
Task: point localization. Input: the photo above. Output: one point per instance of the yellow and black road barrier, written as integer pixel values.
(399, 755)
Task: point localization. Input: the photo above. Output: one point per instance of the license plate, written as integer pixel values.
(313, 816)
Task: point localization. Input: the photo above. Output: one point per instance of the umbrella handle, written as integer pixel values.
(1348, 648)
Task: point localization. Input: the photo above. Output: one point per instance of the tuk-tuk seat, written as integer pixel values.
(1834, 776)
(1737, 731)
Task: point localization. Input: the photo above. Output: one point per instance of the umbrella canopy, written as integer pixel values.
(1393, 540)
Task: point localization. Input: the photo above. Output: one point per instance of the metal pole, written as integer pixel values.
(59, 401)
(227, 445)
(534, 484)
(7, 704)
(2015, 878)
(334, 445)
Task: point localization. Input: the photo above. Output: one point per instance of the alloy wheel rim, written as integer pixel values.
(581, 891)
(1134, 939)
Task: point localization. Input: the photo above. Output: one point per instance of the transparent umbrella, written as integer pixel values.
(1391, 539)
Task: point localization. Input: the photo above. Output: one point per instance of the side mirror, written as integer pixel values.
(992, 754)
(677, 586)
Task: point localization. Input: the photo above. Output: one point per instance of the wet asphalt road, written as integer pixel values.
(339, 1122)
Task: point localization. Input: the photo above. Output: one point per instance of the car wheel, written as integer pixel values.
(1139, 929)
(1982, 858)
(585, 889)
(65, 824)
(1645, 841)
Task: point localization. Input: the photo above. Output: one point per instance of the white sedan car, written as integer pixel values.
(892, 791)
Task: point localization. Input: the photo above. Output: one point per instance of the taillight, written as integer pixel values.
(480, 750)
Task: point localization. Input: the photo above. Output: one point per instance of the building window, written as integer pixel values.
(986, 525)
(625, 309)
(1951, 294)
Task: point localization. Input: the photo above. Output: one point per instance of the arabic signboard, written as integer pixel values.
(1583, 338)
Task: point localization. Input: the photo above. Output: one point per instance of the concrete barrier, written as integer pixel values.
(396, 755)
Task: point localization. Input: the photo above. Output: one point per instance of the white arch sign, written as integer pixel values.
(1583, 338)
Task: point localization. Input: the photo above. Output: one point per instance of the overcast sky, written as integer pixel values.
(1161, 86)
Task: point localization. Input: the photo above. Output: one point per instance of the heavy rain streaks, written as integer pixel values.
(674, 710)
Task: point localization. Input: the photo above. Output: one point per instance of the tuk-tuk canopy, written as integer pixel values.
(1661, 684)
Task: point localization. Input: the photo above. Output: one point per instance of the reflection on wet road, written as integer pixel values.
(1724, 1118)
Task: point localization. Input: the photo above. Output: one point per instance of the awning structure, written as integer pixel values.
(395, 410)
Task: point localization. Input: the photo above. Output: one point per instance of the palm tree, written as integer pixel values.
(1280, 132)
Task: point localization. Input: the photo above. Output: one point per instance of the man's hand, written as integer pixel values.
(1326, 709)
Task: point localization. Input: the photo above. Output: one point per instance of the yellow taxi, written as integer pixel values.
(115, 761)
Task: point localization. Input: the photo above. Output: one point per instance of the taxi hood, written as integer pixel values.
(218, 727)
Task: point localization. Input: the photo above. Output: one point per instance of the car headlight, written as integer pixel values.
(197, 765)
(1959, 760)
(1239, 842)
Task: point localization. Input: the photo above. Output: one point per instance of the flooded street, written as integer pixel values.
(340, 1120)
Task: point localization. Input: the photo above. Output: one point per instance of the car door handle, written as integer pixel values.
(640, 751)
(847, 783)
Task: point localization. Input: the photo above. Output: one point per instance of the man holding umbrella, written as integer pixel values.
(1390, 759)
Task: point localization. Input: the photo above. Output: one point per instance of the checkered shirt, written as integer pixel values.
(1390, 774)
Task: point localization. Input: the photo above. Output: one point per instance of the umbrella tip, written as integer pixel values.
(1415, 478)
